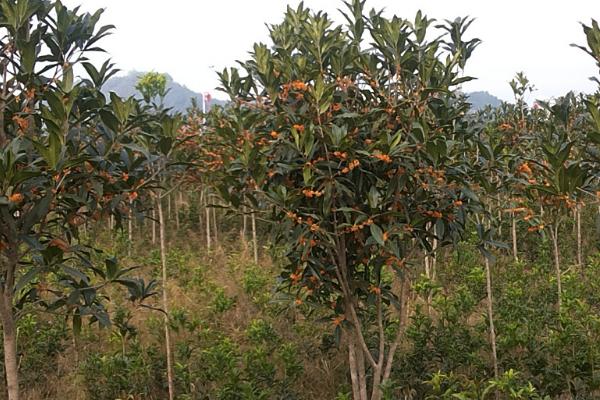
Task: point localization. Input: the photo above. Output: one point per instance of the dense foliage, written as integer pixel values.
(347, 226)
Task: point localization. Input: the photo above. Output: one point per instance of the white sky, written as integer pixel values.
(190, 39)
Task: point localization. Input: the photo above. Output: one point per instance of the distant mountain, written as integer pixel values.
(479, 100)
(179, 97)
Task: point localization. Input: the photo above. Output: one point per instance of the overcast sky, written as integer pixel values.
(190, 39)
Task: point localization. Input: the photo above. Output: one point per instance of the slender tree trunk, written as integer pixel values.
(153, 226)
(579, 244)
(555, 251)
(207, 212)
(169, 207)
(434, 258)
(177, 206)
(254, 238)
(362, 375)
(245, 223)
(163, 259)
(130, 228)
(200, 205)
(356, 395)
(215, 226)
(499, 220)
(514, 237)
(426, 261)
(10, 344)
(490, 307)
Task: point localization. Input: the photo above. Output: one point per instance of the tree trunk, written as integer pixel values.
(514, 237)
(169, 207)
(579, 245)
(215, 226)
(426, 261)
(245, 223)
(362, 375)
(153, 226)
(130, 228)
(177, 205)
(200, 204)
(254, 239)
(353, 368)
(555, 251)
(163, 259)
(490, 307)
(10, 344)
(207, 211)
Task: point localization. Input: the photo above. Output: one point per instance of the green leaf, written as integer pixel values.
(377, 234)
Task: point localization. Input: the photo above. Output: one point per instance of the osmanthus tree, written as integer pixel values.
(592, 102)
(491, 159)
(554, 178)
(359, 152)
(64, 161)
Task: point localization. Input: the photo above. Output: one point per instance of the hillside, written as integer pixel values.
(480, 99)
(179, 97)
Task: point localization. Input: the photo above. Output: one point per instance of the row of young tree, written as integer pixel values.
(369, 162)
(365, 163)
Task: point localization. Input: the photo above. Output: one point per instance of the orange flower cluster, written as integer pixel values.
(312, 193)
(393, 260)
(344, 83)
(295, 277)
(30, 94)
(274, 134)
(375, 290)
(438, 175)
(338, 320)
(383, 157)
(299, 128)
(16, 198)
(505, 126)
(313, 227)
(434, 214)
(359, 227)
(299, 85)
(303, 241)
(21, 122)
(309, 221)
(535, 228)
(340, 155)
(132, 196)
(106, 176)
(525, 169)
(353, 164)
(336, 106)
